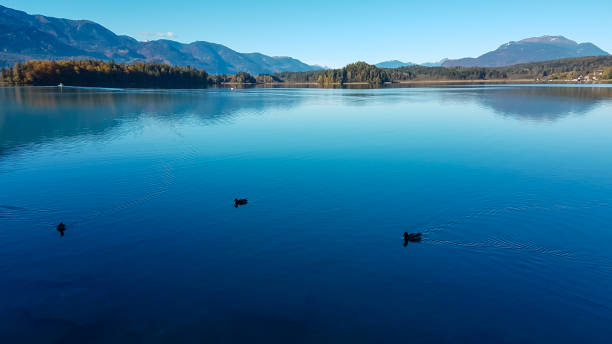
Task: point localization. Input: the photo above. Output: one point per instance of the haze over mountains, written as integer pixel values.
(25, 37)
(399, 64)
(394, 64)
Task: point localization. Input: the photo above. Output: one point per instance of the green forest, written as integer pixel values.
(93, 73)
(360, 72)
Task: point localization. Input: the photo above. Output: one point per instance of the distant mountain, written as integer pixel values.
(399, 64)
(394, 64)
(25, 37)
(434, 64)
(534, 49)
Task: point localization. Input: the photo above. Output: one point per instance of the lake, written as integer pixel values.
(511, 187)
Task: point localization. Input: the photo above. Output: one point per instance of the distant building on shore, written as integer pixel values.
(580, 79)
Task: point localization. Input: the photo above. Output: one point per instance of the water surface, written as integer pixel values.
(511, 187)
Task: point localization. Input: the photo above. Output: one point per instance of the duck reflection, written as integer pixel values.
(239, 202)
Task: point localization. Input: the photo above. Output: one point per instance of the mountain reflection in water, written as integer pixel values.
(33, 115)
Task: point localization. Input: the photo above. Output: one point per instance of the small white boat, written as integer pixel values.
(60, 85)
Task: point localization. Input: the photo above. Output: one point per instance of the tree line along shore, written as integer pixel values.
(94, 73)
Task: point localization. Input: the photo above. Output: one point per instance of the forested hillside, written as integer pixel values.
(25, 37)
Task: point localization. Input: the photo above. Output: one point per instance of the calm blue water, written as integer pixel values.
(511, 187)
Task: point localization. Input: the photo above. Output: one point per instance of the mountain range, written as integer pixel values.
(399, 64)
(25, 37)
(394, 64)
(434, 64)
(533, 49)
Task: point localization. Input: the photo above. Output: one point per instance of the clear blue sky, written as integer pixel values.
(334, 33)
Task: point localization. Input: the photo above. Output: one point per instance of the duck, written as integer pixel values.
(61, 228)
(238, 202)
(412, 236)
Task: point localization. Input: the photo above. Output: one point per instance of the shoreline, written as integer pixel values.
(358, 84)
(427, 82)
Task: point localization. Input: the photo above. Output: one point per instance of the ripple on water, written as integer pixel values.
(525, 218)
